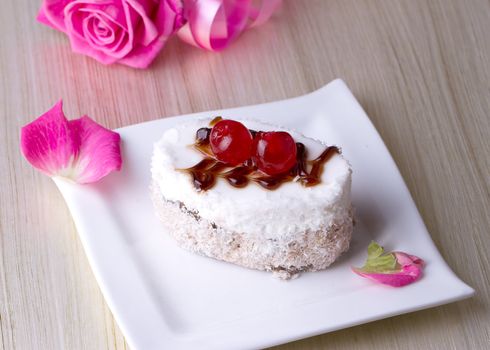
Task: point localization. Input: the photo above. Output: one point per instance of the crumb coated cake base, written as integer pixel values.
(310, 250)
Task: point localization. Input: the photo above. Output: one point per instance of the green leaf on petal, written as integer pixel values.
(378, 261)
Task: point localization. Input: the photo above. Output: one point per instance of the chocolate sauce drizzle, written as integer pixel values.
(205, 173)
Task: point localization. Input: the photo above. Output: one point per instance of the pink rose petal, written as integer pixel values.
(407, 275)
(42, 18)
(405, 259)
(47, 142)
(80, 149)
(395, 269)
(99, 153)
(52, 13)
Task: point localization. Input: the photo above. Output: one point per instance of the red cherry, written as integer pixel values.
(231, 142)
(274, 152)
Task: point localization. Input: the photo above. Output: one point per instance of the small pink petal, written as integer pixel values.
(99, 152)
(80, 149)
(48, 143)
(406, 259)
(403, 270)
(407, 275)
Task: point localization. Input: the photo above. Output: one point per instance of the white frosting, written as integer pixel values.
(290, 209)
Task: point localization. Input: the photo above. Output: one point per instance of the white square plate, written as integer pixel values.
(166, 298)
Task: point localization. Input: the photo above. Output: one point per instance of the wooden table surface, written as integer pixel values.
(420, 68)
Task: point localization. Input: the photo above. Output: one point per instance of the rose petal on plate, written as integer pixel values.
(48, 143)
(407, 275)
(80, 150)
(406, 259)
(99, 153)
(395, 269)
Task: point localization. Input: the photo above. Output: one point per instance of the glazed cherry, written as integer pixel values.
(231, 142)
(274, 152)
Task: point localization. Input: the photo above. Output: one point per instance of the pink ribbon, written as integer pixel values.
(214, 24)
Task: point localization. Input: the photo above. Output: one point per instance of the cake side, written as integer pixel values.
(284, 256)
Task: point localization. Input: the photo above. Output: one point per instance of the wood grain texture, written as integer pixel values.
(420, 68)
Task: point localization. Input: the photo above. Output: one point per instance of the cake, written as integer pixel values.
(222, 198)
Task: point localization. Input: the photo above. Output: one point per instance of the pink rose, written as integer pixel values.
(130, 32)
